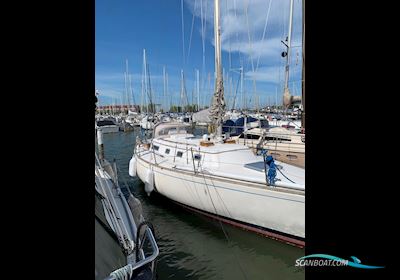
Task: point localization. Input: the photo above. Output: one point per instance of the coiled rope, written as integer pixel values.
(123, 273)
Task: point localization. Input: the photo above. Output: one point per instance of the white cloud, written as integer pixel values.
(264, 74)
(272, 74)
(239, 18)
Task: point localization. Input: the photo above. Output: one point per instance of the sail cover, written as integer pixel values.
(217, 109)
(202, 116)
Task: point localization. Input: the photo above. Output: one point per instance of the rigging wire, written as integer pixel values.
(264, 31)
(237, 35)
(191, 30)
(251, 49)
(229, 38)
(183, 34)
(203, 70)
(222, 227)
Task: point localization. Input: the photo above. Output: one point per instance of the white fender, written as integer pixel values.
(132, 167)
(149, 184)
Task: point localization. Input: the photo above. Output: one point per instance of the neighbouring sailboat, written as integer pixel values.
(213, 175)
(125, 244)
(284, 144)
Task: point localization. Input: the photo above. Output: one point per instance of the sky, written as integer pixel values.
(251, 34)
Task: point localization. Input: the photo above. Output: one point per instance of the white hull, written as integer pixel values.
(251, 203)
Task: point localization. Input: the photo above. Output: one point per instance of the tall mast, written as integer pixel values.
(198, 89)
(131, 90)
(182, 92)
(209, 82)
(231, 94)
(150, 93)
(145, 79)
(164, 97)
(217, 41)
(218, 104)
(127, 91)
(286, 93)
(142, 97)
(241, 89)
(169, 104)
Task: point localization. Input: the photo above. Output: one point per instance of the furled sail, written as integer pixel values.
(217, 109)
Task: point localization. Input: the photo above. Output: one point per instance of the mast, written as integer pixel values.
(145, 79)
(241, 89)
(150, 94)
(131, 91)
(164, 83)
(182, 93)
(126, 88)
(169, 98)
(218, 104)
(198, 89)
(127, 91)
(286, 94)
(231, 94)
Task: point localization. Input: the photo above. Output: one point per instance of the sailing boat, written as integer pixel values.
(214, 176)
(284, 144)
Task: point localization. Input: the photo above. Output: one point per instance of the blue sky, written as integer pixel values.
(125, 27)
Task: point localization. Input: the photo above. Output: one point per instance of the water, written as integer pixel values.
(195, 247)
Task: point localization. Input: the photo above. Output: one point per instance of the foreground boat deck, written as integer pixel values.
(231, 161)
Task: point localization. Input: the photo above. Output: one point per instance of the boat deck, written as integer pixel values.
(246, 167)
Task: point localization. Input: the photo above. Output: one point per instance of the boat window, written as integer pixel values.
(155, 147)
(179, 154)
(277, 138)
(253, 136)
(249, 136)
(167, 151)
(197, 156)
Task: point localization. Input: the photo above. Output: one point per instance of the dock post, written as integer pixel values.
(100, 143)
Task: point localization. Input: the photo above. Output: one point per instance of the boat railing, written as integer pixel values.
(123, 272)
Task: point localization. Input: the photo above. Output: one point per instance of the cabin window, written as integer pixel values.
(167, 151)
(155, 147)
(253, 136)
(249, 136)
(278, 139)
(179, 154)
(197, 156)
